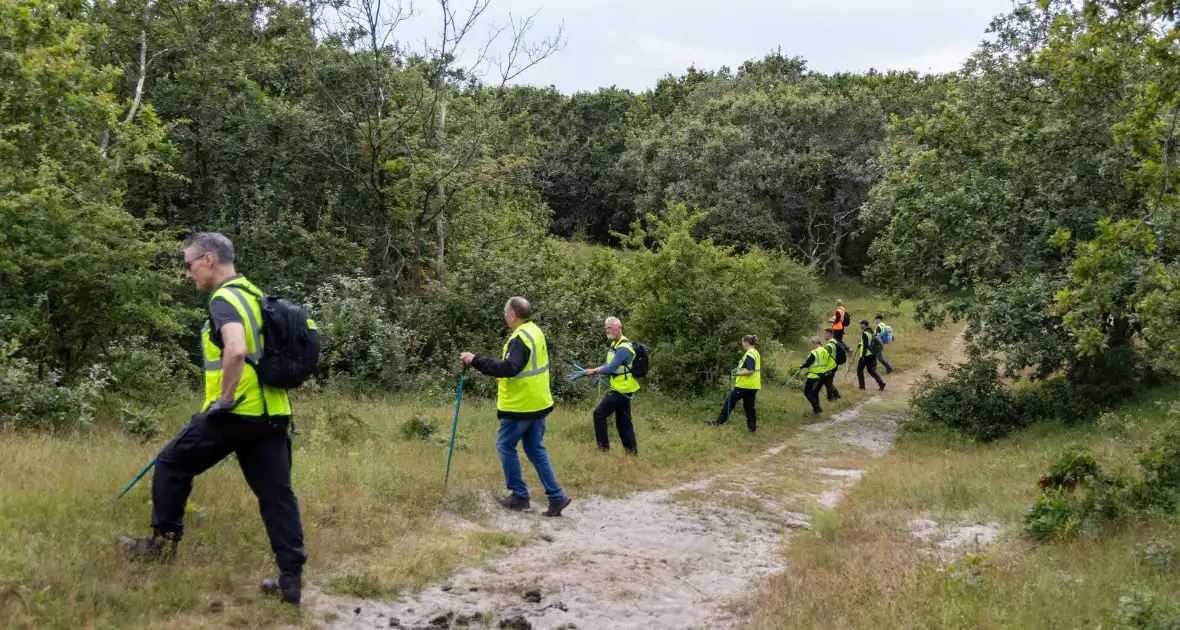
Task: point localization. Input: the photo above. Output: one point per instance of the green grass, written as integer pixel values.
(376, 517)
(860, 568)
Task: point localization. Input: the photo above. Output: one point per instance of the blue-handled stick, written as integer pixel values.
(454, 429)
(136, 480)
(780, 390)
(728, 397)
(600, 381)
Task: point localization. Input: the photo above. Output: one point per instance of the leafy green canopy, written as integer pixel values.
(1022, 205)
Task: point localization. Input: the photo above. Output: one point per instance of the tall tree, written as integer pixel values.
(77, 272)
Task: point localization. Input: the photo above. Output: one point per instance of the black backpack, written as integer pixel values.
(841, 355)
(847, 318)
(875, 345)
(639, 365)
(291, 342)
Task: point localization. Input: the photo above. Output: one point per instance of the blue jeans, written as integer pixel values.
(531, 432)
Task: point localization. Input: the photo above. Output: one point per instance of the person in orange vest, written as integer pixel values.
(838, 320)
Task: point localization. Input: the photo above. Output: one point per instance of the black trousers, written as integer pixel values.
(811, 389)
(829, 380)
(881, 358)
(619, 405)
(868, 363)
(838, 334)
(263, 450)
(746, 397)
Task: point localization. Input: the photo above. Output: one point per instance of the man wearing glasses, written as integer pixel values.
(240, 415)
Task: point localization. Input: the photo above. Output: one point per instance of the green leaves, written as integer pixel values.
(77, 272)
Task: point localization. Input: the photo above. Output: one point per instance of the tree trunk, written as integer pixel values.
(440, 220)
(835, 265)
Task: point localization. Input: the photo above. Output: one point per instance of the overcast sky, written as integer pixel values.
(632, 43)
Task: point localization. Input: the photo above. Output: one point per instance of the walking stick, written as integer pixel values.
(454, 428)
(728, 399)
(578, 367)
(849, 370)
(136, 480)
(780, 390)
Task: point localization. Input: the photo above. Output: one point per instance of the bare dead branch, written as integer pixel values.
(522, 54)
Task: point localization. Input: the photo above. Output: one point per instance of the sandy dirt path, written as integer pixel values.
(675, 558)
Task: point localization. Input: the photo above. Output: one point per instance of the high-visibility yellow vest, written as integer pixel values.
(529, 390)
(821, 363)
(753, 381)
(830, 346)
(261, 400)
(866, 343)
(623, 382)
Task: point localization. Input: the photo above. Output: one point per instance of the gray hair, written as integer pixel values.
(520, 307)
(614, 321)
(815, 340)
(839, 302)
(219, 244)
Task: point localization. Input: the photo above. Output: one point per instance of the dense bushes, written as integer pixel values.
(35, 398)
(689, 300)
(973, 399)
(359, 344)
(1078, 496)
(694, 300)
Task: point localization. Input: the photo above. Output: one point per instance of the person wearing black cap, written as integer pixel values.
(867, 358)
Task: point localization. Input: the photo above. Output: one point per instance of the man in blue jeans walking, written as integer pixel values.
(523, 403)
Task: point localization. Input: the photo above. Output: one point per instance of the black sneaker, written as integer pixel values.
(514, 502)
(882, 388)
(555, 507)
(289, 584)
(160, 547)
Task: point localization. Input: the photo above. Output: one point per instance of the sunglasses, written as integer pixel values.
(188, 264)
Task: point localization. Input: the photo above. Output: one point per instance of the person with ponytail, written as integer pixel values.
(747, 381)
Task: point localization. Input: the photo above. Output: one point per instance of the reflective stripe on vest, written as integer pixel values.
(529, 390)
(831, 348)
(821, 363)
(260, 400)
(622, 382)
(753, 381)
(866, 343)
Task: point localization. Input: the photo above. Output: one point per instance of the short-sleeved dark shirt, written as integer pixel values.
(221, 312)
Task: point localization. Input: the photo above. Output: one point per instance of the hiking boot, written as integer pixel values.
(881, 388)
(556, 506)
(160, 547)
(514, 502)
(632, 452)
(714, 423)
(290, 585)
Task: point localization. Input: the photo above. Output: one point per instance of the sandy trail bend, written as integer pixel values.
(672, 558)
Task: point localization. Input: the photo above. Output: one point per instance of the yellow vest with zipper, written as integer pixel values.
(529, 390)
(260, 399)
(753, 381)
(624, 382)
